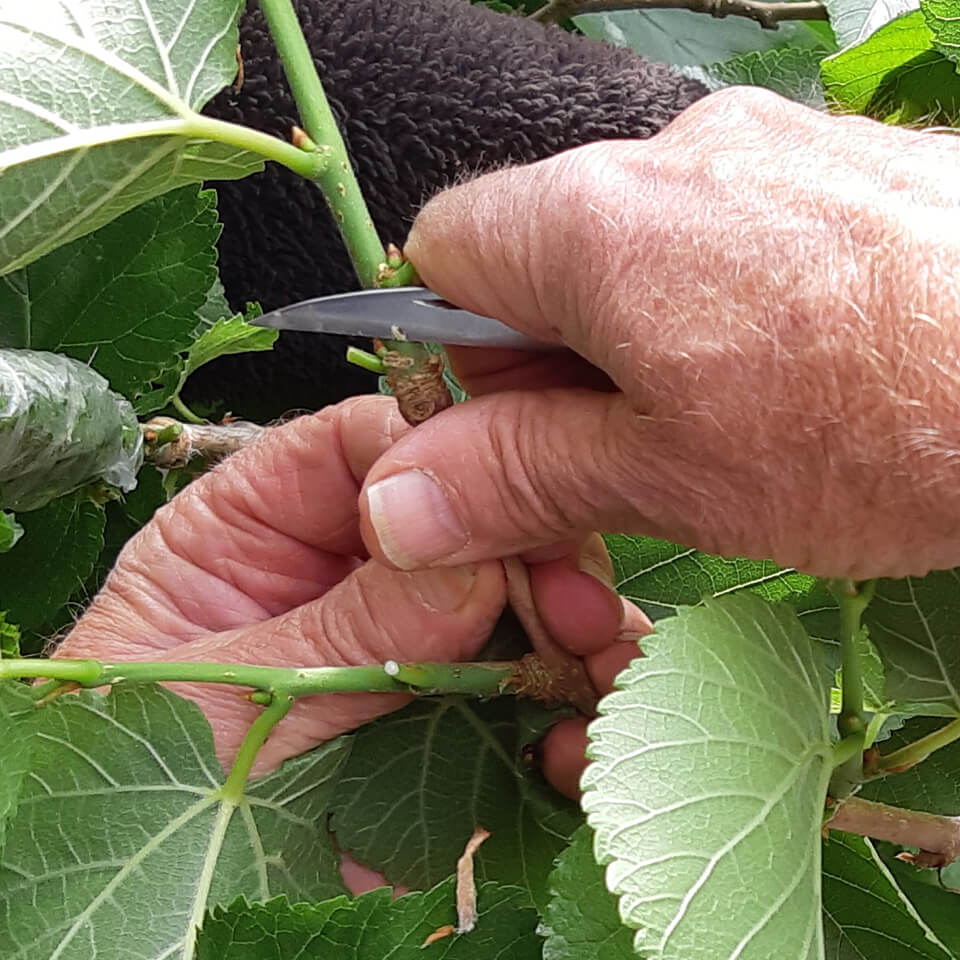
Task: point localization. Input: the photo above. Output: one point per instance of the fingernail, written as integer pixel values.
(413, 521)
(445, 589)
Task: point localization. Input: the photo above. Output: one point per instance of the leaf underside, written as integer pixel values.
(707, 783)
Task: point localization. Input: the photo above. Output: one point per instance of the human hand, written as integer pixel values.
(260, 561)
(762, 301)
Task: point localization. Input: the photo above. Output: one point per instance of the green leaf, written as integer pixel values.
(867, 914)
(9, 638)
(373, 926)
(17, 731)
(684, 38)
(661, 577)
(57, 555)
(125, 298)
(706, 788)
(792, 72)
(10, 531)
(121, 841)
(226, 336)
(943, 19)
(933, 786)
(895, 75)
(61, 426)
(581, 920)
(913, 624)
(419, 781)
(935, 906)
(96, 112)
(854, 20)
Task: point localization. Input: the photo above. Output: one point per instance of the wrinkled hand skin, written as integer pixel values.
(261, 562)
(772, 297)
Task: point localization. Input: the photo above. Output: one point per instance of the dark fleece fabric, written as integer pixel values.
(426, 92)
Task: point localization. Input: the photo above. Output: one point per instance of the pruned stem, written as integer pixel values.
(768, 15)
(171, 444)
(937, 837)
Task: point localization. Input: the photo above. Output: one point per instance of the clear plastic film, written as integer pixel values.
(61, 426)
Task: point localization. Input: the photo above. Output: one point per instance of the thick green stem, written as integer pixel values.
(920, 749)
(478, 679)
(336, 179)
(852, 600)
(255, 738)
(851, 724)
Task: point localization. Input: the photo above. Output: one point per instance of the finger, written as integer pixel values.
(510, 473)
(575, 599)
(481, 372)
(268, 530)
(564, 746)
(374, 615)
(564, 755)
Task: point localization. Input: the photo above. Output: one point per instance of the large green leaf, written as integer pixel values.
(17, 731)
(419, 781)
(895, 75)
(684, 38)
(373, 926)
(943, 19)
(914, 624)
(126, 298)
(121, 840)
(706, 788)
(55, 557)
(96, 111)
(793, 72)
(581, 920)
(61, 426)
(661, 577)
(867, 913)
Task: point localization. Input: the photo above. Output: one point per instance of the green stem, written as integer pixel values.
(308, 165)
(920, 749)
(851, 724)
(336, 179)
(185, 412)
(365, 359)
(169, 433)
(232, 789)
(852, 601)
(849, 748)
(478, 679)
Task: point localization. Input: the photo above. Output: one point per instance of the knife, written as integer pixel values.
(399, 313)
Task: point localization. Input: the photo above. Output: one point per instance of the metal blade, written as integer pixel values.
(398, 313)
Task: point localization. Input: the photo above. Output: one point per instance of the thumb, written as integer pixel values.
(500, 475)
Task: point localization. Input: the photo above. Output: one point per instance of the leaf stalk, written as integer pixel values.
(256, 736)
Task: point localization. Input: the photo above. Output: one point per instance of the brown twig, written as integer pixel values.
(768, 15)
(937, 837)
(212, 441)
(569, 681)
